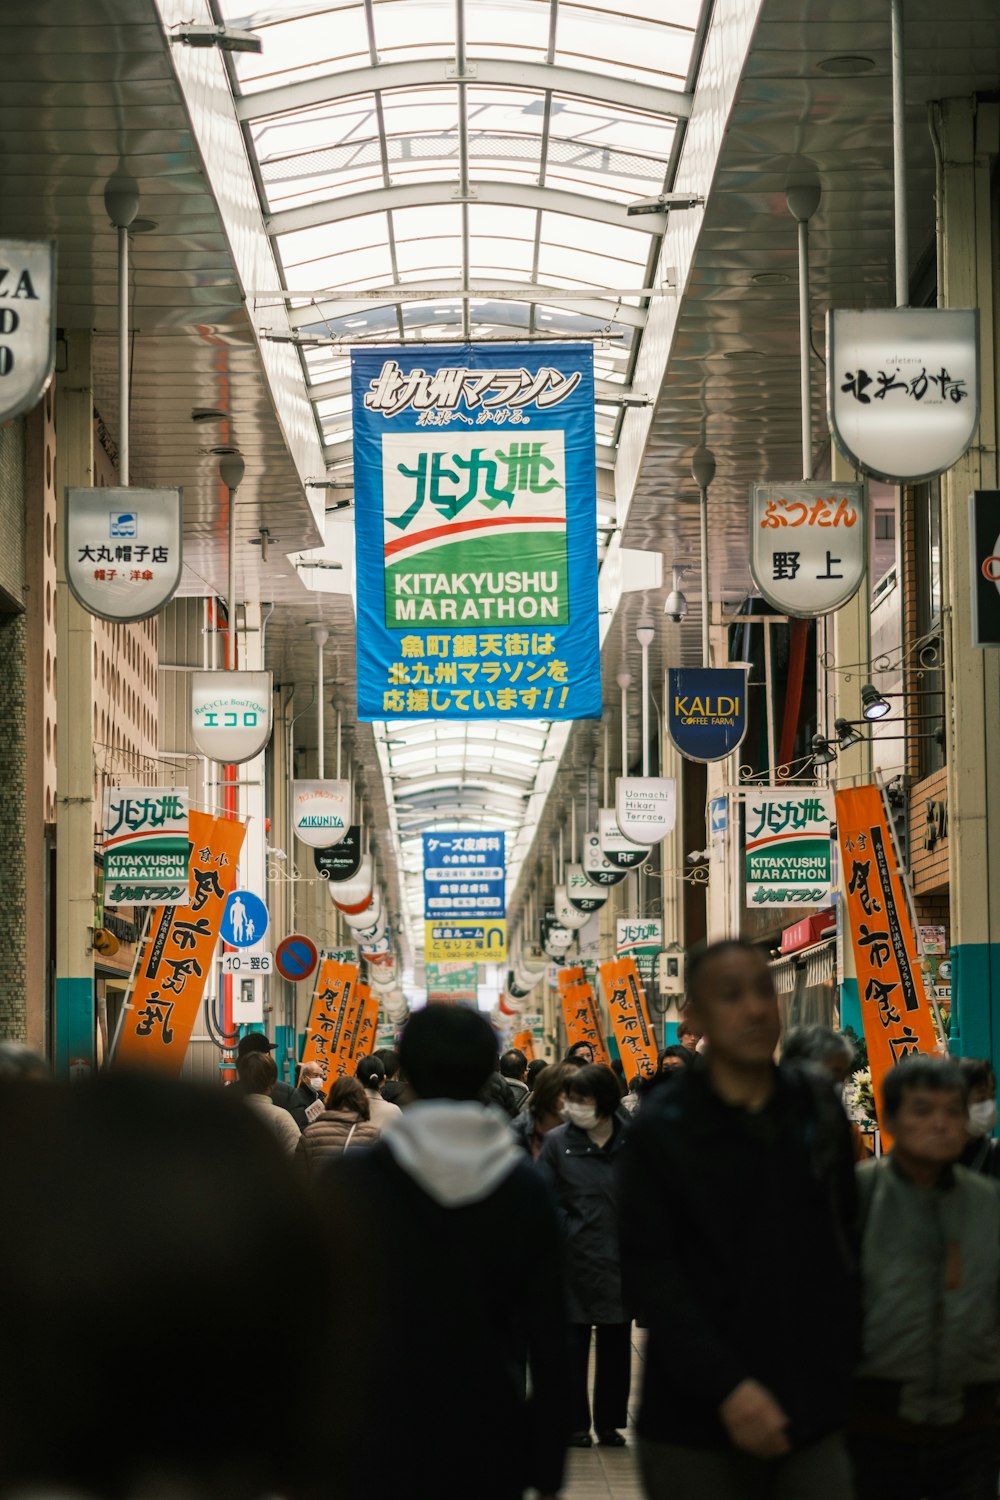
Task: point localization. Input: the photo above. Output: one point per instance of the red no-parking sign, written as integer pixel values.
(296, 957)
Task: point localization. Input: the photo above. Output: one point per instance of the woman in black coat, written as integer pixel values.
(578, 1159)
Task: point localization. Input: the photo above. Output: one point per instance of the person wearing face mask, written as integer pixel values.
(307, 1102)
(578, 1160)
(981, 1153)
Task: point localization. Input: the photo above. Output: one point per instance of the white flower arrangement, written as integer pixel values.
(861, 1096)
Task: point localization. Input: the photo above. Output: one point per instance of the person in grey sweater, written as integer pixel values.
(925, 1400)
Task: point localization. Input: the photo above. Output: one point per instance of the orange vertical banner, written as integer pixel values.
(629, 1016)
(580, 1013)
(895, 1011)
(525, 1042)
(358, 1032)
(170, 981)
(332, 1002)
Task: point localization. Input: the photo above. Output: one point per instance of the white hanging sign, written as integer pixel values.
(567, 915)
(620, 851)
(321, 812)
(351, 893)
(808, 544)
(581, 890)
(231, 714)
(598, 869)
(123, 549)
(367, 920)
(903, 388)
(27, 323)
(646, 807)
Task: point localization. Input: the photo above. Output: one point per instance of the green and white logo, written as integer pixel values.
(452, 504)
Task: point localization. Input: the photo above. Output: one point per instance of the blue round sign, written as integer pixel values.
(244, 921)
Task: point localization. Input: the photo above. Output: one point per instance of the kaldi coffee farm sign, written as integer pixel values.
(27, 326)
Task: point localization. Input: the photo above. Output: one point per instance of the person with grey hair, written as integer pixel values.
(925, 1392)
(821, 1045)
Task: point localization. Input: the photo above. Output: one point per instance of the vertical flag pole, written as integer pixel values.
(703, 472)
(803, 201)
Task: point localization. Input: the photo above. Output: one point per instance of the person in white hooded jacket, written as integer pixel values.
(462, 1243)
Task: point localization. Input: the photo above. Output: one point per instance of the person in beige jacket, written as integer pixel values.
(371, 1075)
(344, 1125)
(258, 1074)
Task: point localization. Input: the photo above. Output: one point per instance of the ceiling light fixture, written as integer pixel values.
(846, 67)
(665, 203)
(770, 278)
(226, 38)
(847, 734)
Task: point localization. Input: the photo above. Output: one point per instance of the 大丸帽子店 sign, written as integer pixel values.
(788, 847)
(903, 388)
(27, 323)
(475, 493)
(123, 550)
(321, 812)
(984, 520)
(707, 710)
(808, 544)
(147, 850)
(231, 714)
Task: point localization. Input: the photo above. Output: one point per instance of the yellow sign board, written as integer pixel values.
(475, 942)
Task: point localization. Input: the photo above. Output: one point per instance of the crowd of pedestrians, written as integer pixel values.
(476, 1243)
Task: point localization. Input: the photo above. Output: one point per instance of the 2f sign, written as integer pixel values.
(27, 329)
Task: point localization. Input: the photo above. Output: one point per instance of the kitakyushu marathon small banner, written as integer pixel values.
(475, 496)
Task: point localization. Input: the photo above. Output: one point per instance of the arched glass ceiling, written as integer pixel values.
(448, 169)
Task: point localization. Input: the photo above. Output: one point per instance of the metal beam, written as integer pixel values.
(505, 73)
(433, 194)
(590, 301)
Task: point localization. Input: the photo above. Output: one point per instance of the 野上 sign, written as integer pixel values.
(789, 851)
(808, 544)
(231, 714)
(984, 523)
(707, 710)
(147, 852)
(27, 323)
(894, 1009)
(321, 812)
(123, 550)
(646, 807)
(903, 388)
(476, 506)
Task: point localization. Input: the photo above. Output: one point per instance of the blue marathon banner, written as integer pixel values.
(475, 524)
(707, 710)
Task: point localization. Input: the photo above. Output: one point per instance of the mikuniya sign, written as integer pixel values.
(27, 324)
(808, 545)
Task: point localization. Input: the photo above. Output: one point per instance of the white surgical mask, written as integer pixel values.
(982, 1117)
(317, 1083)
(583, 1115)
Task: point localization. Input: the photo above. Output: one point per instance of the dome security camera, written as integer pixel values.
(676, 607)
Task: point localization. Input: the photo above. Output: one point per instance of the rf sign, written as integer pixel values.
(646, 807)
(27, 330)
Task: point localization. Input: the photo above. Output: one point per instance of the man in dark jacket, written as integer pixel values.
(737, 1184)
(307, 1102)
(460, 1264)
(256, 1041)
